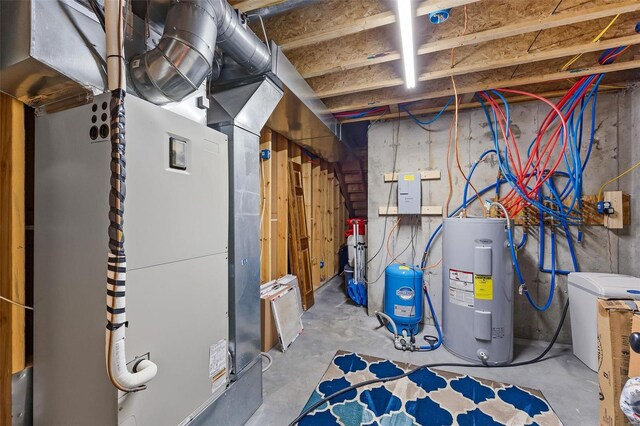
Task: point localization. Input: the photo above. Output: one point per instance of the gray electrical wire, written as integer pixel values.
(395, 144)
(16, 303)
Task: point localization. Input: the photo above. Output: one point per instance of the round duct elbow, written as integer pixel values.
(240, 43)
(183, 58)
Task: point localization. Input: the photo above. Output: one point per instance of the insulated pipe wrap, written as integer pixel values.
(184, 56)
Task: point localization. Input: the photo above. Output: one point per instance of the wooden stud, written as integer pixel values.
(281, 161)
(308, 194)
(322, 219)
(12, 247)
(330, 225)
(295, 153)
(316, 228)
(474, 83)
(265, 209)
(336, 226)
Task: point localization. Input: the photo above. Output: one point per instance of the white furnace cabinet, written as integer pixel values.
(176, 231)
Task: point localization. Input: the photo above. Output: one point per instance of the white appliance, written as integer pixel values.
(584, 290)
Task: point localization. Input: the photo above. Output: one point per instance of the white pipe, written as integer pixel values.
(145, 371)
(113, 13)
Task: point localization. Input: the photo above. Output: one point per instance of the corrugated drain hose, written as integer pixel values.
(117, 369)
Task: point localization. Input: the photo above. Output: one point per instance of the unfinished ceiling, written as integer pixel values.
(349, 51)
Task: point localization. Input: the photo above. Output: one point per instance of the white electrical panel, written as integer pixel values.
(409, 193)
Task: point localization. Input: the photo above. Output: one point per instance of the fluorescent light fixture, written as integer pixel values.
(405, 20)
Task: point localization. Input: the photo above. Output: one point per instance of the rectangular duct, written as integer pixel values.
(56, 52)
(240, 112)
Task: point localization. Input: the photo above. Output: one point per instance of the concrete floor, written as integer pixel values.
(334, 323)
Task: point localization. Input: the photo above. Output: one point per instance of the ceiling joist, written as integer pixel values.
(378, 52)
(370, 78)
(469, 105)
(474, 83)
(249, 5)
(362, 24)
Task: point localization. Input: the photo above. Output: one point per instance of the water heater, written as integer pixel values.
(477, 305)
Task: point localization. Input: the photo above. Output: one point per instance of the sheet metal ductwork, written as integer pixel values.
(184, 56)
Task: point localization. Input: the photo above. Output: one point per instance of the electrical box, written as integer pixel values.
(409, 193)
(618, 213)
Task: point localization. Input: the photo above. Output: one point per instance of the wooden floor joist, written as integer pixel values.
(443, 88)
(310, 66)
(362, 24)
(470, 105)
(337, 84)
(249, 5)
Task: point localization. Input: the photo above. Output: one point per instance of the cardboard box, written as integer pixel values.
(614, 326)
(634, 357)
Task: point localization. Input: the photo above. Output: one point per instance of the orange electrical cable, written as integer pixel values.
(456, 111)
(395, 225)
(432, 266)
(450, 194)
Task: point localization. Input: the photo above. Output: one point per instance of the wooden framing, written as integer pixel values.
(375, 47)
(383, 76)
(249, 5)
(470, 84)
(424, 175)
(12, 247)
(265, 208)
(348, 51)
(343, 29)
(424, 211)
(469, 105)
(280, 155)
(323, 205)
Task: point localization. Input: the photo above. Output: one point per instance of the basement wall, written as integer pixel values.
(616, 147)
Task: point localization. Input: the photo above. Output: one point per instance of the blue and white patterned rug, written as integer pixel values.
(428, 397)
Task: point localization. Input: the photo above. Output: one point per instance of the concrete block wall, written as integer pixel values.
(616, 147)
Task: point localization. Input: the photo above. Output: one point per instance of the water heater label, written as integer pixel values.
(483, 286)
(461, 288)
(403, 310)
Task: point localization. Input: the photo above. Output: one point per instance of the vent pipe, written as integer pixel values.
(184, 56)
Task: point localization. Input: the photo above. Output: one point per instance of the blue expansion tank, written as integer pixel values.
(403, 297)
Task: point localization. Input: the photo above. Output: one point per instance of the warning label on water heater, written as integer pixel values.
(461, 288)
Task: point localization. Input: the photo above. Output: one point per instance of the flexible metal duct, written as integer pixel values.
(183, 58)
